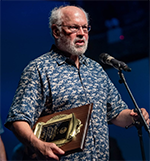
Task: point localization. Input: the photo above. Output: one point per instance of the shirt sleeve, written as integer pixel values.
(115, 104)
(28, 103)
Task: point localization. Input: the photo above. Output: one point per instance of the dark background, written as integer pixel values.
(120, 28)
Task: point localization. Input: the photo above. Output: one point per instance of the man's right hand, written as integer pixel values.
(46, 151)
(43, 150)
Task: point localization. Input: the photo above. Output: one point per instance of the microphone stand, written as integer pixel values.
(138, 123)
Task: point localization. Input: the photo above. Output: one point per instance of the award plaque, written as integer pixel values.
(67, 129)
(60, 129)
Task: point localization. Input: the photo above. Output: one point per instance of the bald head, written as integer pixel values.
(58, 15)
(71, 13)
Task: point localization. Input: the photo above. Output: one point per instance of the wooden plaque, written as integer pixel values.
(76, 144)
(83, 114)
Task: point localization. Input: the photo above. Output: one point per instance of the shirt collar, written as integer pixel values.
(61, 59)
(83, 59)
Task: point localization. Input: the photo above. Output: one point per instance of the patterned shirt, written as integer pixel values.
(52, 83)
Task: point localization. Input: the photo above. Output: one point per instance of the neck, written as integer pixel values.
(75, 58)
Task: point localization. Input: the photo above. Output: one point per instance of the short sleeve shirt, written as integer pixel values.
(52, 83)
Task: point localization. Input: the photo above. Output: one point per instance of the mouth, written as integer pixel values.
(80, 42)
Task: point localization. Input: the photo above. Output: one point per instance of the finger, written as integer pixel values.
(148, 122)
(132, 113)
(52, 156)
(145, 113)
(56, 149)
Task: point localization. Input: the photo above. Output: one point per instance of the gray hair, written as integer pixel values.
(56, 15)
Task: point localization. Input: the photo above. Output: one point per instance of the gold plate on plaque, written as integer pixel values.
(60, 129)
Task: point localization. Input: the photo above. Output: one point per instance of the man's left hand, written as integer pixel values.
(144, 113)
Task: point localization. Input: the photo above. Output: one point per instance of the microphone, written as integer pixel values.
(109, 60)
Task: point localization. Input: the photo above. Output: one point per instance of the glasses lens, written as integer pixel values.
(89, 28)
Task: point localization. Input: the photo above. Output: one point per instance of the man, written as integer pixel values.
(3, 156)
(62, 79)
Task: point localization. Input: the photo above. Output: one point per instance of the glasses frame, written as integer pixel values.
(76, 28)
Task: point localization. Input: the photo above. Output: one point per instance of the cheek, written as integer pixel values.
(72, 38)
(87, 37)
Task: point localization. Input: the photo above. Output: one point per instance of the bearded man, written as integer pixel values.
(65, 78)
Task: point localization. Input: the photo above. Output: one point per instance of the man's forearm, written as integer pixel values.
(127, 117)
(24, 133)
(123, 119)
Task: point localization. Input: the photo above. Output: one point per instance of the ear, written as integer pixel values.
(55, 31)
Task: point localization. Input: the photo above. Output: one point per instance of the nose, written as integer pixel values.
(80, 31)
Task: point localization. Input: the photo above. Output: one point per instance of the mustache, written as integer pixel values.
(80, 39)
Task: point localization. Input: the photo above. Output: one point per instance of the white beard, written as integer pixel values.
(66, 45)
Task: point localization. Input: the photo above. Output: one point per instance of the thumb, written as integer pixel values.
(133, 114)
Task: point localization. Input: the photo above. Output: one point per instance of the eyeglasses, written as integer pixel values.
(76, 28)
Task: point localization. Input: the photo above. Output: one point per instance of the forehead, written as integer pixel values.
(73, 15)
